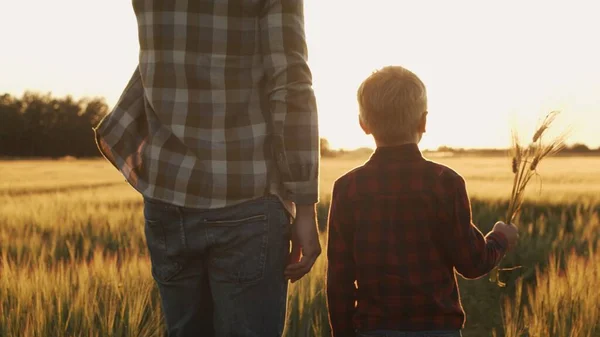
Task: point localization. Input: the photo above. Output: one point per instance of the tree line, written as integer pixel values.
(40, 125)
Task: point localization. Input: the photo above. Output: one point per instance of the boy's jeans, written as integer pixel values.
(391, 333)
(220, 272)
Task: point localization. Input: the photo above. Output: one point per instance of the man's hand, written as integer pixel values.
(510, 231)
(305, 243)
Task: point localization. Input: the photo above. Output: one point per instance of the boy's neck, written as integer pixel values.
(416, 140)
(384, 144)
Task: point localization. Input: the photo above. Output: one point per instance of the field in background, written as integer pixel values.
(73, 260)
(564, 179)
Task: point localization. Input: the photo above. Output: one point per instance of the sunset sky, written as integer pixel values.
(487, 65)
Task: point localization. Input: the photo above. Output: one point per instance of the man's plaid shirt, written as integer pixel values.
(400, 226)
(220, 109)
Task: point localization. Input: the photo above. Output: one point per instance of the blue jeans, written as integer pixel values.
(220, 272)
(429, 333)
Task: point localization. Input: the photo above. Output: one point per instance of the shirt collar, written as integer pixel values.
(405, 152)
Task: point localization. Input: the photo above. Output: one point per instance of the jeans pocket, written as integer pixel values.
(163, 267)
(239, 252)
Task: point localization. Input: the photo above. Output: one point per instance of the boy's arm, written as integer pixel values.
(341, 290)
(292, 104)
(472, 254)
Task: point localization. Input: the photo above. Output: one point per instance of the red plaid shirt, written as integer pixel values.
(399, 226)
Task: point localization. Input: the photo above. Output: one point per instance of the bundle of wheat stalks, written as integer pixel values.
(525, 161)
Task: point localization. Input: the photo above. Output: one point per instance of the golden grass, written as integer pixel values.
(99, 297)
(524, 166)
(75, 264)
(565, 179)
(565, 301)
(21, 176)
(73, 260)
(525, 162)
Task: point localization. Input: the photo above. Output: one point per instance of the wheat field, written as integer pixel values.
(73, 260)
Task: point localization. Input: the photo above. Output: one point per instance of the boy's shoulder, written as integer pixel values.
(345, 178)
(442, 170)
(434, 171)
(445, 174)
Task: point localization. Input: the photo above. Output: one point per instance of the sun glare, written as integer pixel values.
(487, 66)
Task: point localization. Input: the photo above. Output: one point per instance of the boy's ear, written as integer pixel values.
(363, 126)
(423, 123)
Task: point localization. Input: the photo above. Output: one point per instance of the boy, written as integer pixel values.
(400, 225)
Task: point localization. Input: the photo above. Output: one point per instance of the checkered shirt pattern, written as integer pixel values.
(220, 109)
(400, 226)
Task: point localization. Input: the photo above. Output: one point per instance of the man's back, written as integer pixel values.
(217, 83)
(217, 129)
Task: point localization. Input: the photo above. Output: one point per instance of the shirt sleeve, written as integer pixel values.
(472, 254)
(292, 103)
(341, 276)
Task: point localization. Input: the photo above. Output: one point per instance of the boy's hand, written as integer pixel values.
(510, 231)
(305, 243)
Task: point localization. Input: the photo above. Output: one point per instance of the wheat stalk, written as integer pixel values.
(525, 161)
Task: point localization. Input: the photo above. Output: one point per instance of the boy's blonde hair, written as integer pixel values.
(392, 101)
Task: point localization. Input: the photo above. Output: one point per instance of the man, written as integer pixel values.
(217, 129)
